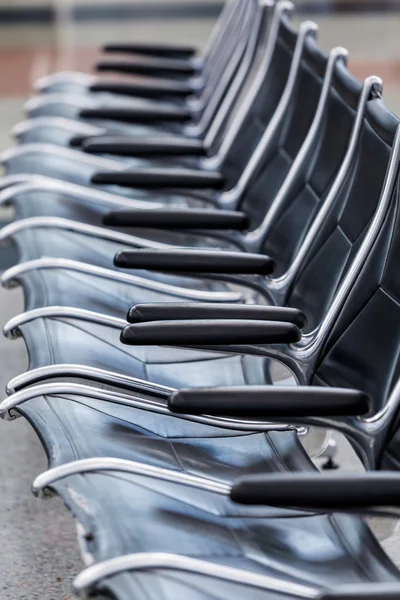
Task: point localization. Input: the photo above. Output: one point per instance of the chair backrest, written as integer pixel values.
(217, 110)
(288, 138)
(362, 348)
(221, 32)
(259, 96)
(346, 224)
(213, 68)
(234, 65)
(306, 188)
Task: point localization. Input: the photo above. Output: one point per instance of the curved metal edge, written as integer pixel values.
(40, 374)
(7, 181)
(95, 465)
(64, 77)
(58, 122)
(10, 329)
(282, 8)
(359, 260)
(69, 225)
(83, 193)
(80, 100)
(362, 591)
(90, 577)
(255, 238)
(61, 152)
(369, 86)
(308, 29)
(221, 101)
(10, 278)
(9, 406)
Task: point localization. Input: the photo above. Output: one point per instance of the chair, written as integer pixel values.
(168, 529)
(55, 116)
(59, 336)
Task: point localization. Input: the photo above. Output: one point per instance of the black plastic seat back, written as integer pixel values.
(347, 222)
(314, 181)
(263, 106)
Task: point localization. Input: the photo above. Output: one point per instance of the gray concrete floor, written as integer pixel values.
(40, 554)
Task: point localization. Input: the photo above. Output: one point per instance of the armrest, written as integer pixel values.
(177, 114)
(162, 50)
(214, 332)
(144, 65)
(179, 311)
(270, 401)
(195, 261)
(145, 89)
(77, 140)
(347, 492)
(141, 146)
(176, 218)
(363, 591)
(161, 178)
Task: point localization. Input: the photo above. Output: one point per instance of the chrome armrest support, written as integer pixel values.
(110, 378)
(9, 406)
(11, 276)
(11, 327)
(119, 465)
(90, 577)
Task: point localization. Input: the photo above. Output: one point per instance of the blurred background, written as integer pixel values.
(41, 36)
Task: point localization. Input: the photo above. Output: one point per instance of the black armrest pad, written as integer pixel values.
(146, 65)
(363, 591)
(163, 50)
(137, 115)
(347, 492)
(141, 146)
(176, 218)
(157, 88)
(214, 332)
(180, 311)
(161, 178)
(195, 261)
(270, 401)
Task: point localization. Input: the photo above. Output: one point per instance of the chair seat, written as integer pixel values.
(48, 203)
(35, 243)
(71, 166)
(62, 340)
(66, 287)
(132, 513)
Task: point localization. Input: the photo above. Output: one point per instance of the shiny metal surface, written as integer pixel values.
(10, 278)
(372, 87)
(67, 153)
(106, 377)
(60, 122)
(87, 580)
(84, 194)
(214, 126)
(10, 329)
(96, 465)
(91, 230)
(230, 199)
(8, 405)
(282, 8)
